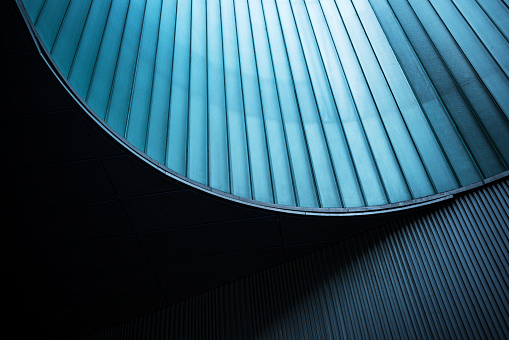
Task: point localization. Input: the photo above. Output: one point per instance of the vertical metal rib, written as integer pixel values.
(440, 273)
(427, 83)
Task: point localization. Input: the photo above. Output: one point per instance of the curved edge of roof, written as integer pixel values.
(171, 174)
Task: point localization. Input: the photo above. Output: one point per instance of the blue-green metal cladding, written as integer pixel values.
(438, 274)
(297, 102)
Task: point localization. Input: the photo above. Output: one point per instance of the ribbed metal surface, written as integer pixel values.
(307, 103)
(440, 274)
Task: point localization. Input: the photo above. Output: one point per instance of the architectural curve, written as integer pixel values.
(317, 104)
(93, 236)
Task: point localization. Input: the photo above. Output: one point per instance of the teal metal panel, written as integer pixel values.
(141, 93)
(437, 274)
(218, 142)
(34, 8)
(296, 102)
(159, 106)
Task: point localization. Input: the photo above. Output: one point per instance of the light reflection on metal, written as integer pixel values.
(439, 274)
(306, 103)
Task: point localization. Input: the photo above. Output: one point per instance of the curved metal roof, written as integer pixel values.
(84, 211)
(301, 103)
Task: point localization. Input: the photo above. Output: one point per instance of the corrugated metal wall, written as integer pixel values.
(296, 102)
(438, 274)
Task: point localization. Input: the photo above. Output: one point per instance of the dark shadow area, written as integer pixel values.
(93, 235)
(297, 299)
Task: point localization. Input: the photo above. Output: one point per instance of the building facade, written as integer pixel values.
(351, 154)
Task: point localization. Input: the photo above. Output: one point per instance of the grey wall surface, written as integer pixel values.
(439, 274)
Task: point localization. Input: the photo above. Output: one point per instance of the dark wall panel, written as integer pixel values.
(441, 273)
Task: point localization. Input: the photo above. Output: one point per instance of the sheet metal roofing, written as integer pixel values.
(296, 102)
